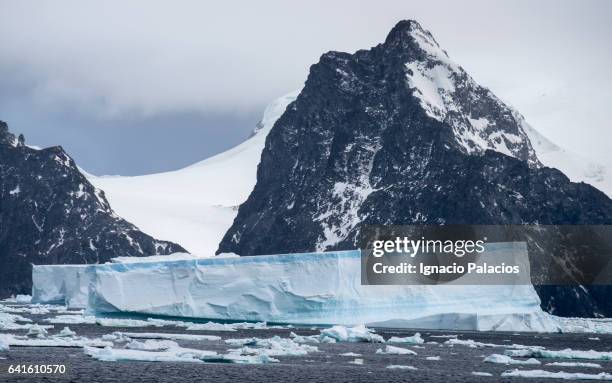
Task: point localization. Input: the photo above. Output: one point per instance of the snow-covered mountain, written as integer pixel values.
(51, 214)
(195, 205)
(400, 134)
(396, 134)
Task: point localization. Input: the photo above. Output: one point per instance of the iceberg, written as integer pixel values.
(306, 289)
(60, 284)
(69, 284)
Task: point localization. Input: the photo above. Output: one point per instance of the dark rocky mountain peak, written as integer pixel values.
(51, 214)
(398, 134)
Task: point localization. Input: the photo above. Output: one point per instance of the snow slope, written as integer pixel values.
(193, 206)
(575, 167)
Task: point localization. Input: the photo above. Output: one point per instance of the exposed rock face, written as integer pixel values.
(399, 134)
(51, 214)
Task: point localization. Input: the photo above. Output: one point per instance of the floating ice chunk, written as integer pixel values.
(350, 354)
(214, 326)
(66, 331)
(32, 309)
(211, 326)
(392, 350)
(432, 358)
(567, 353)
(244, 359)
(38, 330)
(152, 345)
(9, 322)
(275, 346)
(309, 338)
(126, 322)
(555, 375)
(505, 359)
(415, 339)
(359, 333)
(122, 322)
(53, 341)
(71, 319)
(493, 318)
(116, 337)
(4, 346)
(154, 335)
(574, 364)
(356, 361)
(479, 373)
(242, 341)
(469, 343)
(594, 338)
(444, 336)
(401, 367)
(109, 354)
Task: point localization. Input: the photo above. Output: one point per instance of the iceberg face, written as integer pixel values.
(315, 288)
(63, 284)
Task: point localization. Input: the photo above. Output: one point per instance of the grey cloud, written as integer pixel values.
(112, 59)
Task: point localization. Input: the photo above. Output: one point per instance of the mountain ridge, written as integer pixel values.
(399, 134)
(51, 214)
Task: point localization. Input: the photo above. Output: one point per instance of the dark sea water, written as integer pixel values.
(456, 363)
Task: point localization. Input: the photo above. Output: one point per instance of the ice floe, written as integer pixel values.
(53, 341)
(401, 367)
(574, 364)
(555, 375)
(505, 359)
(350, 354)
(38, 330)
(480, 373)
(275, 346)
(169, 351)
(152, 345)
(415, 339)
(359, 333)
(66, 331)
(392, 350)
(567, 353)
(71, 319)
(109, 354)
(161, 335)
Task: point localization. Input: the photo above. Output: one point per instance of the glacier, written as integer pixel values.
(194, 206)
(305, 289)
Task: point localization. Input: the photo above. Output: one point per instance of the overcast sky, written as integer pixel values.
(142, 86)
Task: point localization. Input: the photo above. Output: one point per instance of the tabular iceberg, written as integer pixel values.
(313, 288)
(64, 284)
